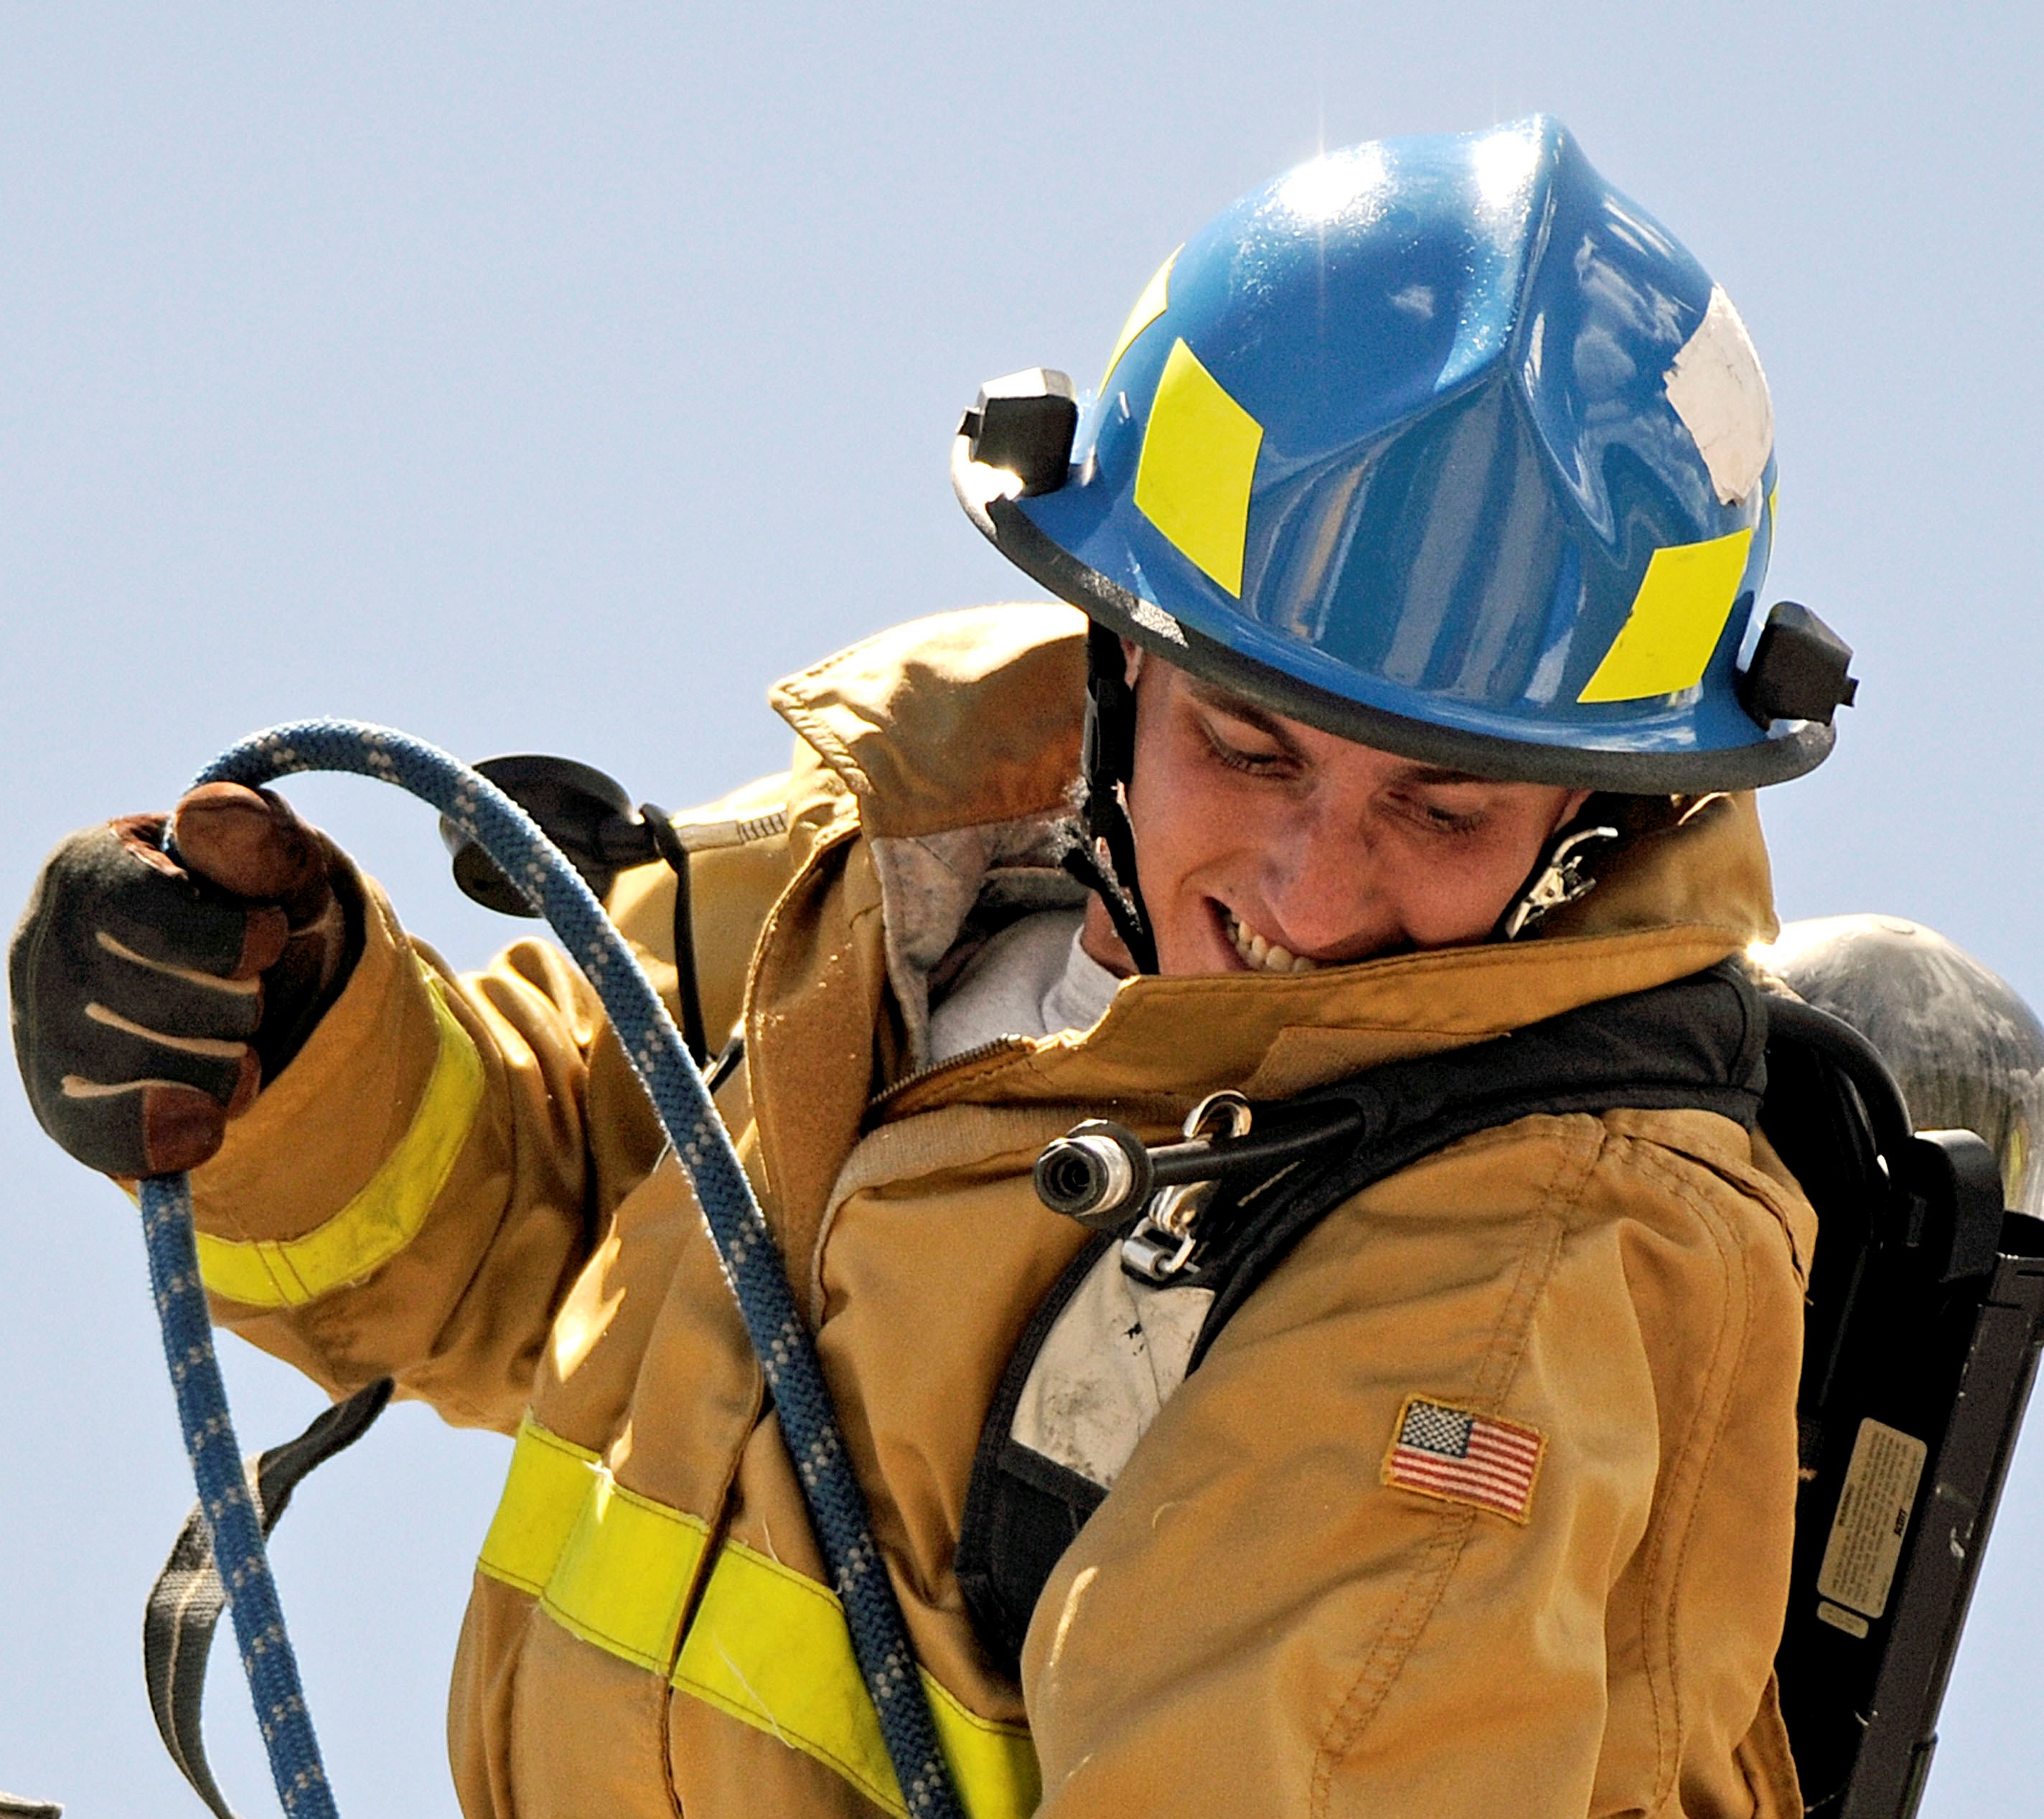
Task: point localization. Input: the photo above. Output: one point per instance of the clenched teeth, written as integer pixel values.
(1265, 956)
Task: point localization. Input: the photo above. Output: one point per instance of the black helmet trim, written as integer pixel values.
(1771, 760)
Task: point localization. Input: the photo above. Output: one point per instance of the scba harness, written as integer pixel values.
(1925, 1318)
(1188, 1233)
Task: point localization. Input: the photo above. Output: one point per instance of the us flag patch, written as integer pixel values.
(1462, 1457)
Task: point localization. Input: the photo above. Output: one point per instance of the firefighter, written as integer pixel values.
(1416, 692)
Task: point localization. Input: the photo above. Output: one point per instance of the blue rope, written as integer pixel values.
(751, 1259)
(223, 1494)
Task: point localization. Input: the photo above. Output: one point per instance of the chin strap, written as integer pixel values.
(1558, 877)
(1106, 862)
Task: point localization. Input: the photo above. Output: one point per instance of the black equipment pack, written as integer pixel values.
(1925, 1320)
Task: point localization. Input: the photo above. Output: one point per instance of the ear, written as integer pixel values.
(1132, 659)
(1575, 801)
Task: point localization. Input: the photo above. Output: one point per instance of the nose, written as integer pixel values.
(1325, 886)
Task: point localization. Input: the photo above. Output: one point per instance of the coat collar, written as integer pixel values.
(963, 720)
(956, 740)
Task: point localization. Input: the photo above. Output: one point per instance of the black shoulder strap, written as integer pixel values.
(1699, 1043)
(186, 1602)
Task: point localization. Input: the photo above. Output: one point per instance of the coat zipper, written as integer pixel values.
(1000, 1045)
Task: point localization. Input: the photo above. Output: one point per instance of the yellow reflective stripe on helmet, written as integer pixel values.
(771, 1648)
(1683, 600)
(543, 1494)
(1198, 463)
(384, 1216)
(767, 1645)
(1155, 299)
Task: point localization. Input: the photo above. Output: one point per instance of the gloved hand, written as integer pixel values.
(152, 997)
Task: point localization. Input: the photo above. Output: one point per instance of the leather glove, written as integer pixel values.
(153, 996)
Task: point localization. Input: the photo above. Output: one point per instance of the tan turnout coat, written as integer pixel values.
(458, 1182)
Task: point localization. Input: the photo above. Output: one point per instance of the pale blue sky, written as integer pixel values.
(552, 380)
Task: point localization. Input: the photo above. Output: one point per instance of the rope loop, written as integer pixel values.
(751, 1259)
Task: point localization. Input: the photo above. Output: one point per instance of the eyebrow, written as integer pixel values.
(1236, 707)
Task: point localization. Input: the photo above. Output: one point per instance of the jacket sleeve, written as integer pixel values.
(1263, 1619)
(414, 1194)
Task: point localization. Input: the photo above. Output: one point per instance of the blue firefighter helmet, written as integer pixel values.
(1442, 445)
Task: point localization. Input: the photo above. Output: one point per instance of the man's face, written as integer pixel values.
(1262, 843)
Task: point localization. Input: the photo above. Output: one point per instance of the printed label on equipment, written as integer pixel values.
(1851, 1622)
(1874, 1514)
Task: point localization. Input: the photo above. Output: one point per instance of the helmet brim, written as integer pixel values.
(984, 491)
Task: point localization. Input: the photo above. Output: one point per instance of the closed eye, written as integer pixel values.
(1249, 763)
(1437, 817)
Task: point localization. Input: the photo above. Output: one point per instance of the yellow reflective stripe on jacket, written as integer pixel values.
(767, 1645)
(771, 1648)
(625, 1573)
(384, 1216)
(548, 1483)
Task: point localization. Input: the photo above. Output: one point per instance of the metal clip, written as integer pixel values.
(1167, 1235)
(1559, 881)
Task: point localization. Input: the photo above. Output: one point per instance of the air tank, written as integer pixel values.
(1967, 1051)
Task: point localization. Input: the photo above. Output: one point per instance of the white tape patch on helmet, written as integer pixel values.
(1154, 619)
(1720, 394)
